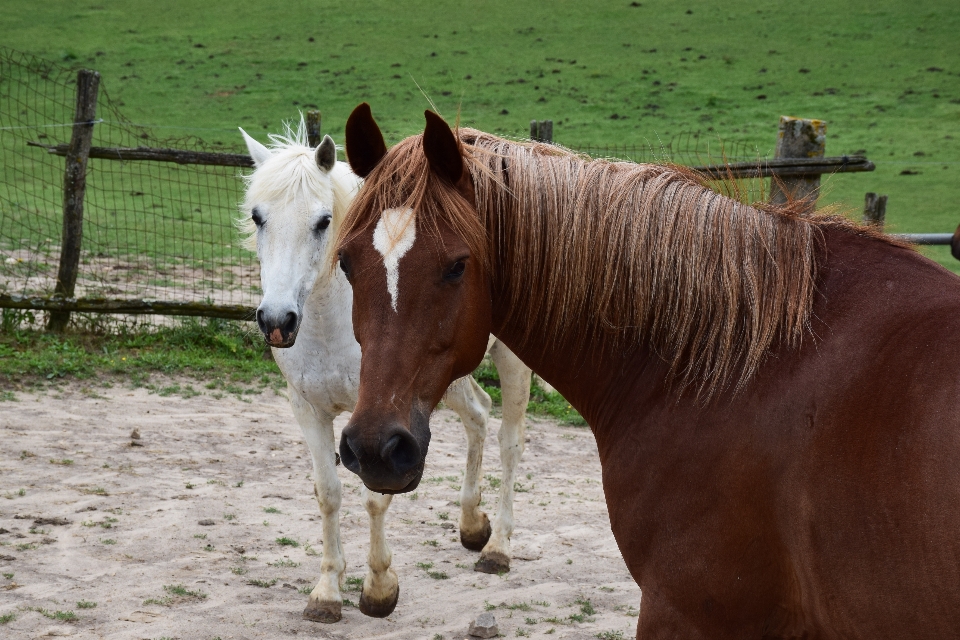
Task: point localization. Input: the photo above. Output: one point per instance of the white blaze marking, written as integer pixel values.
(392, 237)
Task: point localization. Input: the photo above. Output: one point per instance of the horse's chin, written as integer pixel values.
(410, 486)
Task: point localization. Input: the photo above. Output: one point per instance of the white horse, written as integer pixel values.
(295, 200)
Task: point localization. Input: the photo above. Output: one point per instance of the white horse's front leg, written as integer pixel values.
(515, 387)
(381, 588)
(473, 405)
(325, 599)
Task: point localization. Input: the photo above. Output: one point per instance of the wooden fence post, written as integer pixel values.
(799, 138)
(314, 138)
(874, 210)
(541, 131)
(74, 186)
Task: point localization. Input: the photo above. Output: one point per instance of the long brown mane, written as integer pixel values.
(640, 254)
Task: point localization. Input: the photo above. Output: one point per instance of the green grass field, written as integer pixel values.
(885, 75)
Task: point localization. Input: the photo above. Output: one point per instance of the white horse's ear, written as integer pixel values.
(258, 152)
(326, 154)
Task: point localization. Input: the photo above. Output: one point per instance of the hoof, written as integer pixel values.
(493, 562)
(477, 541)
(378, 608)
(327, 612)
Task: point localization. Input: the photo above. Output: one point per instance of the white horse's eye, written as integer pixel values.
(322, 224)
(257, 217)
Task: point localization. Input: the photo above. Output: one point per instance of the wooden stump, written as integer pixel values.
(799, 138)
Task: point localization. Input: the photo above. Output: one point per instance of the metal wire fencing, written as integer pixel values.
(158, 237)
(151, 230)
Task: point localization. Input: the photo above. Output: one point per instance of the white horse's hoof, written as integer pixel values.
(477, 540)
(492, 562)
(327, 612)
(379, 607)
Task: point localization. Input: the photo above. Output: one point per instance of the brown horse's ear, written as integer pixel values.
(365, 146)
(442, 148)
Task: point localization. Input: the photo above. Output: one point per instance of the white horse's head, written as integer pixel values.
(294, 202)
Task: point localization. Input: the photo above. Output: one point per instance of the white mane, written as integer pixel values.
(292, 170)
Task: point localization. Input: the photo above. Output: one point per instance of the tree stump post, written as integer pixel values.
(314, 137)
(74, 187)
(874, 210)
(799, 138)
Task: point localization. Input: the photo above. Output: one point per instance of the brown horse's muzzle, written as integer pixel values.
(387, 457)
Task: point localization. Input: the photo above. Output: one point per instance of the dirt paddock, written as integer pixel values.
(100, 538)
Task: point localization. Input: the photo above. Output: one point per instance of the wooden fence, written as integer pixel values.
(796, 167)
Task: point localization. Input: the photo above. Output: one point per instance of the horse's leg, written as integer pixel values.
(325, 600)
(515, 387)
(381, 588)
(473, 405)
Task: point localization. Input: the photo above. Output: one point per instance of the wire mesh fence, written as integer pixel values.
(151, 230)
(163, 232)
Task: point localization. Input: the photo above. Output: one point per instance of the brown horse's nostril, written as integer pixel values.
(348, 455)
(401, 452)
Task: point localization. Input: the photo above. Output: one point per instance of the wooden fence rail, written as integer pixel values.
(796, 168)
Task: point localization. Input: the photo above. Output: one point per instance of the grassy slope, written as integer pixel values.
(581, 62)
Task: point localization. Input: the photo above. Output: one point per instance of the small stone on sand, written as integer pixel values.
(206, 522)
(485, 626)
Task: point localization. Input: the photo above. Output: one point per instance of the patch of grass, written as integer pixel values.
(201, 536)
(353, 583)
(181, 591)
(265, 584)
(284, 563)
(238, 570)
(430, 543)
(287, 542)
(443, 516)
(610, 635)
(229, 516)
(63, 616)
(586, 607)
(519, 606)
(7, 617)
(347, 602)
(165, 601)
(523, 633)
(8, 576)
(271, 510)
(26, 546)
(86, 604)
(65, 462)
(202, 349)
(26, 454)
(305, 590)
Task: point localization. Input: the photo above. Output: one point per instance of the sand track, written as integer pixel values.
(148, 500)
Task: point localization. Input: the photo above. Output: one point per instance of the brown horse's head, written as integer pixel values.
(413, 248)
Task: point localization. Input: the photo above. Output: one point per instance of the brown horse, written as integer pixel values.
(774, 397)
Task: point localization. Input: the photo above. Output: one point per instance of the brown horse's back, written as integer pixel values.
(824, 498)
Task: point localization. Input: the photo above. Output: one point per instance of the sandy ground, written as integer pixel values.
(133, 515)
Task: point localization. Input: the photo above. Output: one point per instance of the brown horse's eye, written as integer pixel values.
(456, 271)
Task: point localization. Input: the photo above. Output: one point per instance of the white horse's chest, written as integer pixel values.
(323, 365)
